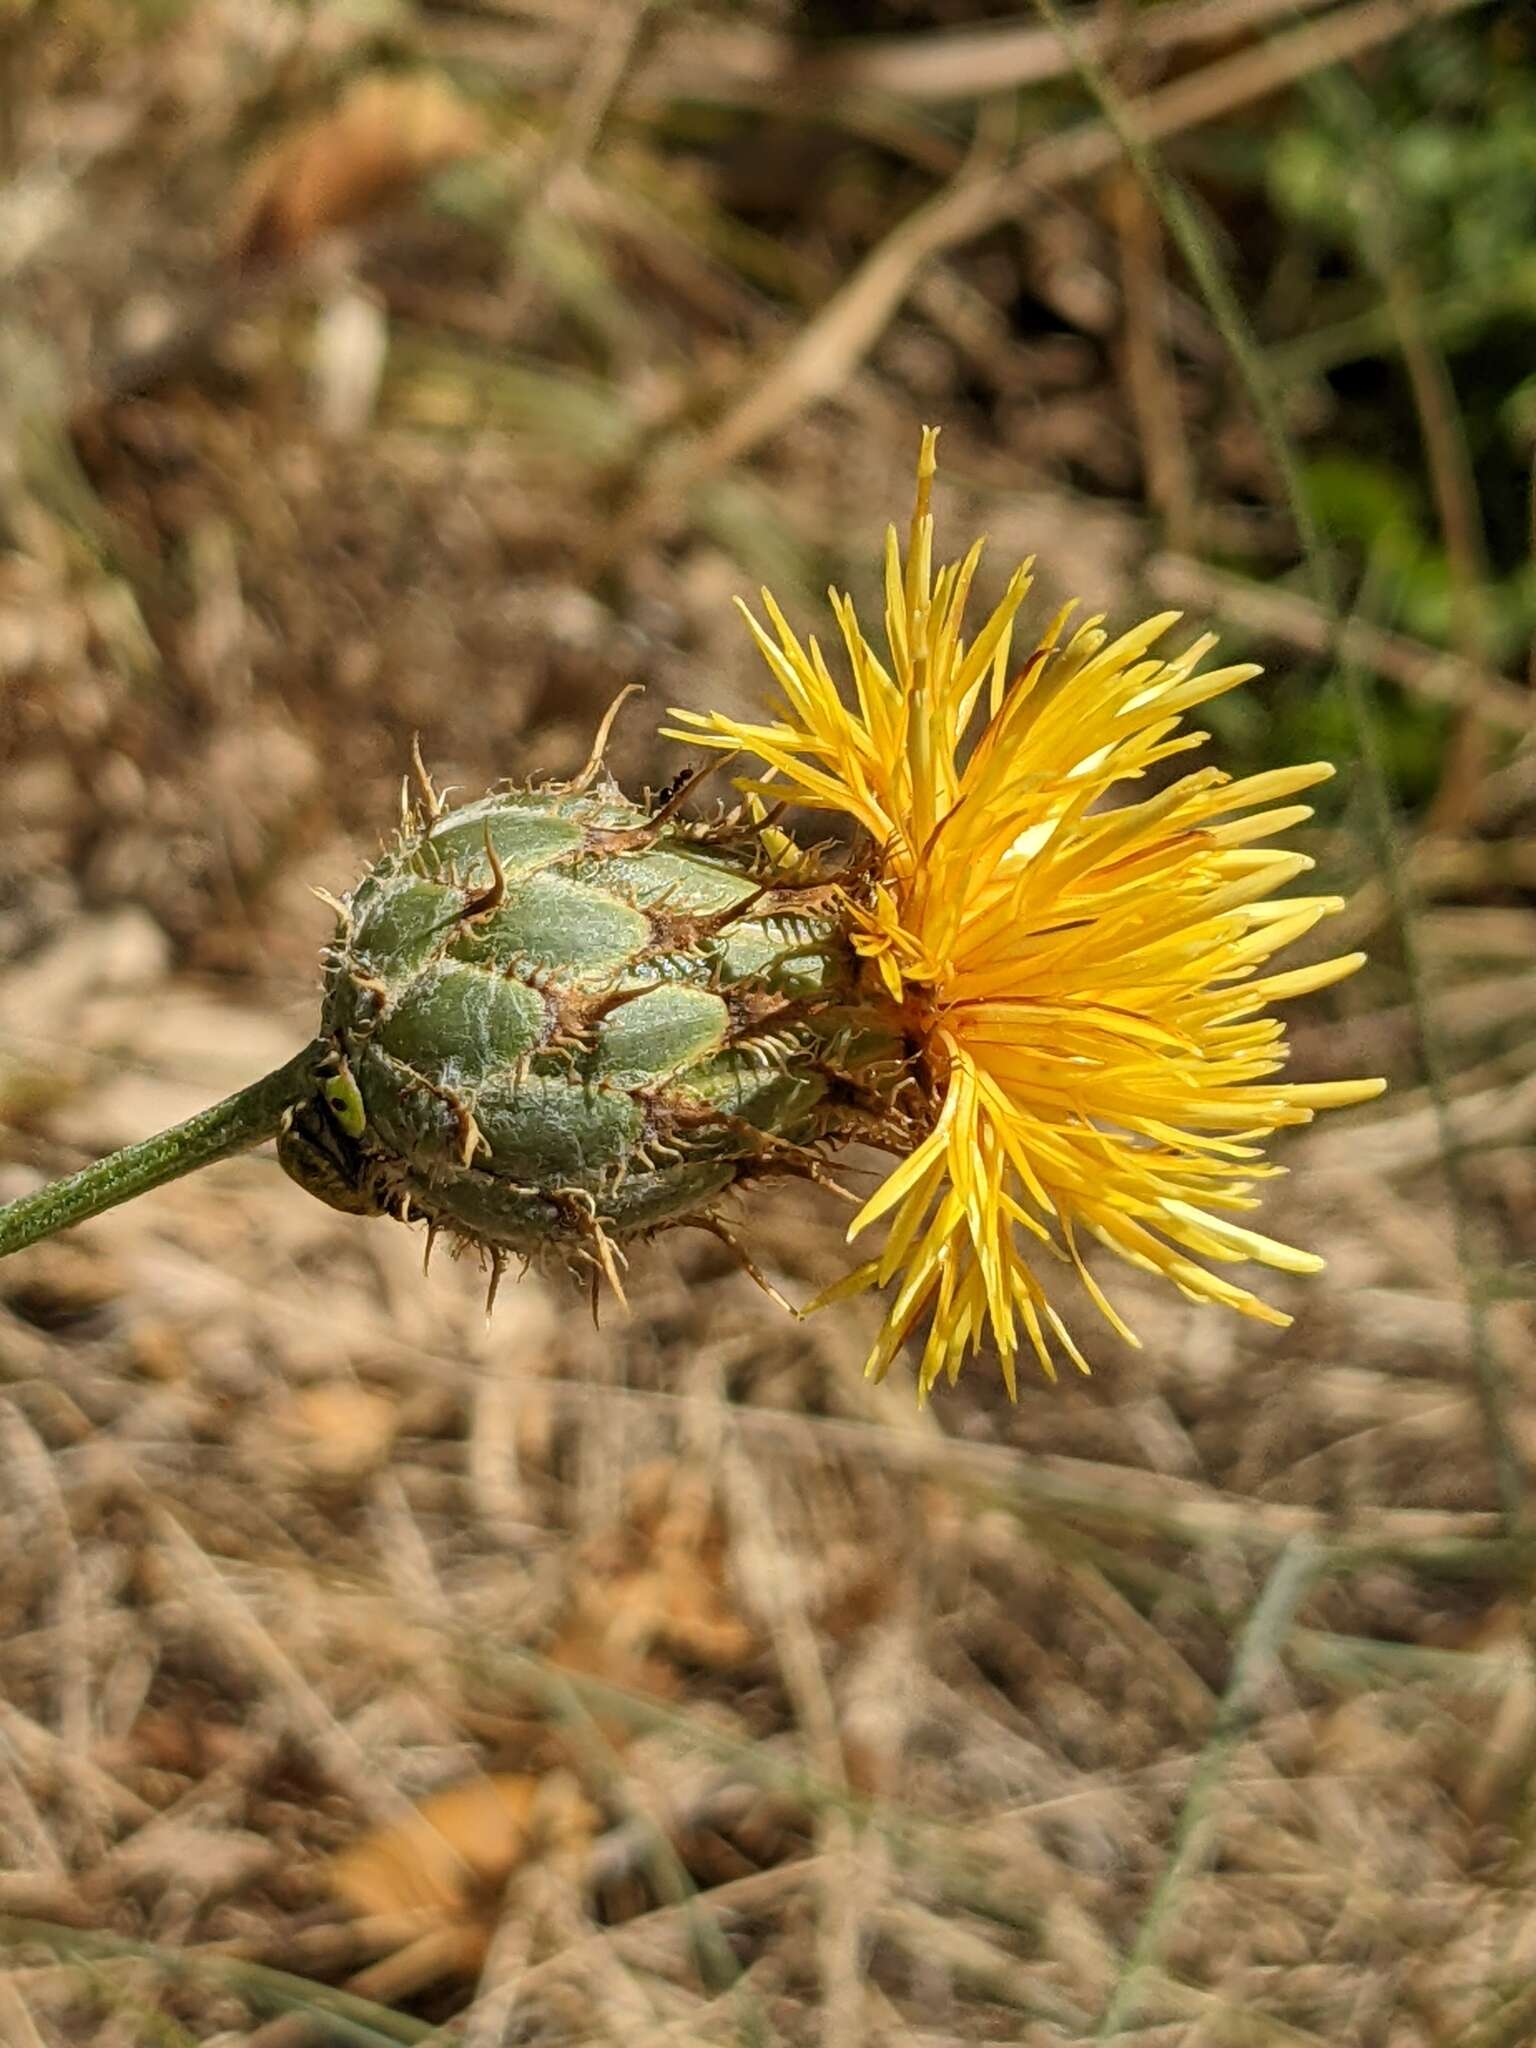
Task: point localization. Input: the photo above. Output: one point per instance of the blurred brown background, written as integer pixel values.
(371, 368)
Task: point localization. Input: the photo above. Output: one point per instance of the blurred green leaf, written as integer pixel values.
(1357, 499)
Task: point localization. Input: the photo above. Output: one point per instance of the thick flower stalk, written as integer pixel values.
(556, 1021)
(1075, 940)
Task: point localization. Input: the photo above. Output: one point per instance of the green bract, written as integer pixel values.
(555, 1019)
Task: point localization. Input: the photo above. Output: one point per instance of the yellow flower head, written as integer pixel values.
(1081, 979)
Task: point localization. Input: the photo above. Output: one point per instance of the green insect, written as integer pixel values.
(315, 1147)
(344, 1100)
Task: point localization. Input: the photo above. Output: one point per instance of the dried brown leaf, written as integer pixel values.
(360, 156)
(451, 1858)
(658, 1580)
(338, 1429)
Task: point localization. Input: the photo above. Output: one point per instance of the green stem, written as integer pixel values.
(233, 1125)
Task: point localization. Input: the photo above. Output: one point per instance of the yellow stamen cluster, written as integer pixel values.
(1080, 979)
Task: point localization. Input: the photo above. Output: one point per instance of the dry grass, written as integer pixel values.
(367, 1671)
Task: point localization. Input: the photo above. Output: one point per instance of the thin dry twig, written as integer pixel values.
(1302, 623)
(597, 82)
(35, 1479)
(1151, 385)
(17, 2025)
(1449, 465)
(1256, 1658)
(1114, 1495)
(827, 348)
(1447, 457)
(243, 1636)
(778, 1590)
(739, 64)
(1003, 56)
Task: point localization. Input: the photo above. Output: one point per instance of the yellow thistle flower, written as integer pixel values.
(1080, 981)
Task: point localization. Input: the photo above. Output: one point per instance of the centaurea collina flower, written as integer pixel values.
(1076, 937)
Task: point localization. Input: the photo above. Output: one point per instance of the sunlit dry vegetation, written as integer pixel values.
(373, 1674)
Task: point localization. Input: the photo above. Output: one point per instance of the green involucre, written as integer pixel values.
(553, 1021)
